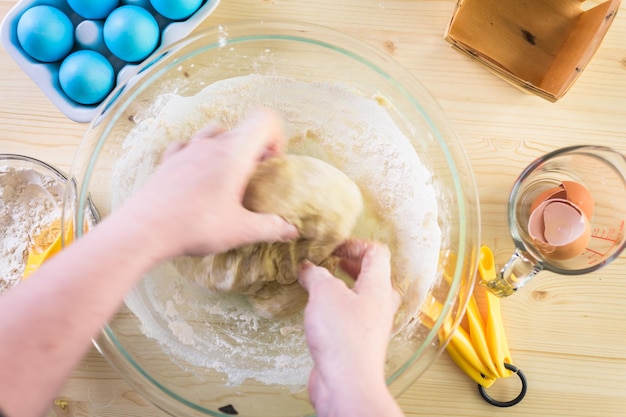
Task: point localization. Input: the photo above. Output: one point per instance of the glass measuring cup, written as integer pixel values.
(600, 170)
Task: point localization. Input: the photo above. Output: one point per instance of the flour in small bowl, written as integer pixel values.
(29, 202)
(331, 122)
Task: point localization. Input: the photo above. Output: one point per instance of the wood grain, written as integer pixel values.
(566, 333)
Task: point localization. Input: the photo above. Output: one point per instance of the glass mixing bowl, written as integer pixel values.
(192, 353)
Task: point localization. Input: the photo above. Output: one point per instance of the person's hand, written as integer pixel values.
(347, 331)
(194, 198)
(192, 204)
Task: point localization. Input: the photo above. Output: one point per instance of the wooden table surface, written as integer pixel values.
(568, 334)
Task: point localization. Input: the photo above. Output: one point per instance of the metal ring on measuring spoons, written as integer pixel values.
(516, 400)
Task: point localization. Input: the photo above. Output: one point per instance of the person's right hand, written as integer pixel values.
(193, 201)
(347, 331)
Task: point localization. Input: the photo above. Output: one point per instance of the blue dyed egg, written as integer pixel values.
(131, 33)
(93, 9)
(45, 33)
(87, 77)
(176, 9)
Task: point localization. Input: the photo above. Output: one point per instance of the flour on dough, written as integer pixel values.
(320, 200)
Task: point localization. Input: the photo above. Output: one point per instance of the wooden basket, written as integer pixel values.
(541, 46)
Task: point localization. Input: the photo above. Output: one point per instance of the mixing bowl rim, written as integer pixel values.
(25, 158)
(60, 175)
(137, 369)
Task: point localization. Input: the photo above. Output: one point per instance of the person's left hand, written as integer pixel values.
(347, 331)
(194, 198)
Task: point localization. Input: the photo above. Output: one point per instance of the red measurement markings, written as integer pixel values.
(593, 256)
(611, 234)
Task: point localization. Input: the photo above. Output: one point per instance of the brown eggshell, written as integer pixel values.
(579, 195)
(544, 247)
(536, 224)
(550, 193)
(572, 250)
(559, 229)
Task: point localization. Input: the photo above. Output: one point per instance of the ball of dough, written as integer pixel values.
(320, 200)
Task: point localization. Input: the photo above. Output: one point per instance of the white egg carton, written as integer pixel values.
(45, 75)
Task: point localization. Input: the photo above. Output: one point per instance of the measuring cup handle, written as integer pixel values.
(514, 275)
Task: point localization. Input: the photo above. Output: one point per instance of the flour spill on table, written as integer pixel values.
(334, 123)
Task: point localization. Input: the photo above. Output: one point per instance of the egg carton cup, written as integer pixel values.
(46, 75)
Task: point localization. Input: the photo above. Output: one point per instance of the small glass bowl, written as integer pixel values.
(133, 340)
(40, 168)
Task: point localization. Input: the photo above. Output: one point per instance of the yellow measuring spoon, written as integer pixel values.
(479, 346)
(494, 331)
(46, 244)
(486, 264)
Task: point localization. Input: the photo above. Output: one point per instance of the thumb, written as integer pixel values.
(262, 227)
(310, 275)
(375, 272)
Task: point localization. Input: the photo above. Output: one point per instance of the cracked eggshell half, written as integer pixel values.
(559, 229)
(580, 196)
(549, 194)
(571, 191)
